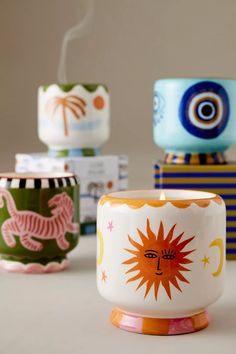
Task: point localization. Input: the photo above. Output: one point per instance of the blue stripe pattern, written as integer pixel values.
(230, 229)
(231, 218)
(231, 239)
(195, 174)
(230, 207)
(199, 185)
(228, 196)
(230, 251)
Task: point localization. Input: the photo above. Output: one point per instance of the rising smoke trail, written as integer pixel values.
(74, 33)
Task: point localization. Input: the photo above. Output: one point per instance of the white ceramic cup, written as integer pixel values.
(161, 262)
(73, 117)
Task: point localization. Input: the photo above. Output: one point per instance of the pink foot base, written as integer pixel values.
(159, 326)
(34, 268)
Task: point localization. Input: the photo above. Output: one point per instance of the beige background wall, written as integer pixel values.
(132, 43)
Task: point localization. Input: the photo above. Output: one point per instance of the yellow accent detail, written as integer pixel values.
(196, 168)
(218, 242)
(231, 257)
(213, 190)
(209, 159)
(169, 158)
(221, 191)
(157, 203)
(231, 212)
(205, 261)
(101, 242)
(179, 159)
(231, 223)
(230, 202)
(205, 180)
(231, 246)
(194, 160)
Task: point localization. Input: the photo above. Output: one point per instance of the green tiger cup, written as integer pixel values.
(39, 221)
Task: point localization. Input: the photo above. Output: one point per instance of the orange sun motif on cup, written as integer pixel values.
(99, 102)
(159, 260)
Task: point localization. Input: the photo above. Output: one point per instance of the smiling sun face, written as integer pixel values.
(158, 260)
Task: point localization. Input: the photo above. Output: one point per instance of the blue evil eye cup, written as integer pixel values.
(158, 107)
(204, 110)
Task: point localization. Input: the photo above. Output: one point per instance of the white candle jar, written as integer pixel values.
(73, 119)
(161, 262)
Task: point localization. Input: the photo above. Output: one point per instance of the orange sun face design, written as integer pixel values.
(158, 260)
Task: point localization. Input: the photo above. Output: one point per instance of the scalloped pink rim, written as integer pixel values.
(34, 268)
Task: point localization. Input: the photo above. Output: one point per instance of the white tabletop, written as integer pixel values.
(63, 313)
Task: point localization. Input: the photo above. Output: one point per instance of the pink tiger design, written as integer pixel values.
(27, 224)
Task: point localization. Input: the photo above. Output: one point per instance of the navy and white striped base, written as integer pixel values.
(37, 183)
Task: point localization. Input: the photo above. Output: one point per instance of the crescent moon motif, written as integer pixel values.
(218, 242)
(101, 243)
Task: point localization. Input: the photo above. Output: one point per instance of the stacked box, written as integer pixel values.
(219, 179)
(98, 175)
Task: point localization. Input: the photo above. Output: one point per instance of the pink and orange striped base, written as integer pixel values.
(159, 326)
(34, 268)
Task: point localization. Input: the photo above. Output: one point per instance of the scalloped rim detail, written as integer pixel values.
(68, 87)
(34, 268)
(139, 203)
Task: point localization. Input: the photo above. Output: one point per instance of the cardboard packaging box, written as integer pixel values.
(98, 175)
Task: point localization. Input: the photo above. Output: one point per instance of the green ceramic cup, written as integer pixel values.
(39, 221)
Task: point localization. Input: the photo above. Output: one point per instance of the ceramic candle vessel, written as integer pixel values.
(39, 221)
(160, 262)
(194, 119)
(73, 119)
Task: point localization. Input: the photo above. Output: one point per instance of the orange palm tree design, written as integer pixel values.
(74, 104)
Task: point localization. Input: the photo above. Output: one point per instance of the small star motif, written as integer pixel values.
(205, 261)
(104, 276)
(110, 226)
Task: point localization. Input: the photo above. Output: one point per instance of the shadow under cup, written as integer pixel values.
(160, 258)
(39, 221)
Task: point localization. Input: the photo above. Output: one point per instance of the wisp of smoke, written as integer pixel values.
(74, 33)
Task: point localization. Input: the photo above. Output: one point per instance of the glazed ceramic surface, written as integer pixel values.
(194, 115)
(39, 220)
(73, 116)
(161, 259)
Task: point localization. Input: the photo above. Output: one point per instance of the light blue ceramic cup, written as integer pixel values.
(195, 116)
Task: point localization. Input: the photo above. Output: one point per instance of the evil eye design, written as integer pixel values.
(204, 110)
(158, 106)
